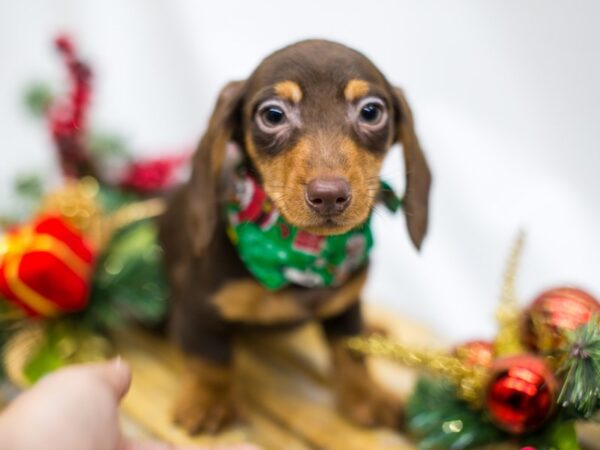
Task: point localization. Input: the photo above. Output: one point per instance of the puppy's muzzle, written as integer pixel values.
(328, 196)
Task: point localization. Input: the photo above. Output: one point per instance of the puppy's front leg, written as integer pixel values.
(205, 402)
(358, 396)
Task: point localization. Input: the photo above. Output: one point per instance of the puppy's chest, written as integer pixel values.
(246, 300)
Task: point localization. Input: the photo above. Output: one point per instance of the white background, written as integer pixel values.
(505, 95)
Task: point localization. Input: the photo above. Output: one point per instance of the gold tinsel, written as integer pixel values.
(508, 314)
(78, 203)
(18, 349)
(134, 212)
(470, 380)
(74, 346)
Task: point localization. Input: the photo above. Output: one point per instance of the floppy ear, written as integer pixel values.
(418, 176)
(203, 193)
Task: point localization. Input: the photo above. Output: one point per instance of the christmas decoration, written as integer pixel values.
(39, 348)
(554, 313)
(475, 353)
(508, 314)
(86, 259)
(67, 117)
(47, 270)
(34, 256)
(469, 380)
(83, 152)
(485, 393)
(522, 393)
(580, 367)
(438, 418)
(129, 282)
(154, 175)
(77, 203)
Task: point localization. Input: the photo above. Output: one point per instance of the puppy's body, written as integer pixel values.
(225, 294)
(314, 122)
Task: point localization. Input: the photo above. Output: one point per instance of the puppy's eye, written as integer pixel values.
(273, 116)
(371, 113)
(276, 118)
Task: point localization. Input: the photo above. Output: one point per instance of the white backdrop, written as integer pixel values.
(505, 95)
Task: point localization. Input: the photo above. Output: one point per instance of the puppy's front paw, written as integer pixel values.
(366, 404)
(359, 398)
(205, 402)
(199, 410)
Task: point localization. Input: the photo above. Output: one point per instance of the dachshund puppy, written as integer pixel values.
(312, 125)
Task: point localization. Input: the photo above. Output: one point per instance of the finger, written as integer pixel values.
(117, 375)
(147, 445)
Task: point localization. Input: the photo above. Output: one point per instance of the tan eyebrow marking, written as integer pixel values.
(355, 89)
(289, 90)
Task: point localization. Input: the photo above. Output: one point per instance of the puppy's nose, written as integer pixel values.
(328, 195)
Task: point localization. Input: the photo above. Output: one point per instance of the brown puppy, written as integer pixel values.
(314, 122)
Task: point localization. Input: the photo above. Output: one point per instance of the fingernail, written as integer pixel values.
(122, 372)
(120, 366)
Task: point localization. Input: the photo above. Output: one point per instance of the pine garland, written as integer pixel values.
(442, 421)
(129, 282)
(580, 366)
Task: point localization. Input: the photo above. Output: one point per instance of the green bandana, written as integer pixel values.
(279, 254)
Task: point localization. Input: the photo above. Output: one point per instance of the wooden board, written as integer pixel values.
(286, 395)
(284, 385)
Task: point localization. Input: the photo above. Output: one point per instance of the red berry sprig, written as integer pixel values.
(67, 116)
(155, 175)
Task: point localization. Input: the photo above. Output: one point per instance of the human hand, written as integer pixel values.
(75, 409)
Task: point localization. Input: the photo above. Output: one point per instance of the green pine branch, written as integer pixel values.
(129, 282)
(580, 367)
(440, 420)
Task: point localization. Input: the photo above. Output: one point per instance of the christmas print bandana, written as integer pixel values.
(279, 254)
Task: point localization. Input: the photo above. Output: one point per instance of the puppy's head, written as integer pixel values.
(315, 120)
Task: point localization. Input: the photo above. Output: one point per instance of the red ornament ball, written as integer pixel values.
(522, 393)
(475, 353)
(553, 313)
